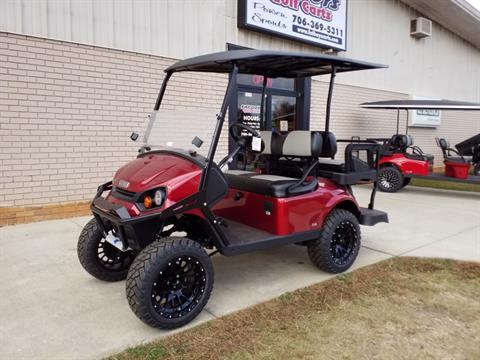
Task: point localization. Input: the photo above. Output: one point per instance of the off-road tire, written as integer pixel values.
(87, 251)
(320, 250)
(406, 181)
(145, 269)
(393, 177)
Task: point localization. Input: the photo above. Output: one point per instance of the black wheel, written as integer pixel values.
(337, 247)
(101, 259)
(406, 181)
(170, 282)
(390, 179)
(476, 169)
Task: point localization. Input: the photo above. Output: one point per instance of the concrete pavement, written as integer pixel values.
(52, 309)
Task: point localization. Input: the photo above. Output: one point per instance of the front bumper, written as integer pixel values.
(134, 232)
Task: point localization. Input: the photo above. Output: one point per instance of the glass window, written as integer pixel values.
(249, 109)
(257, 80)
(283, 113)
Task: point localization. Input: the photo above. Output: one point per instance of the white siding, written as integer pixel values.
(443, 66)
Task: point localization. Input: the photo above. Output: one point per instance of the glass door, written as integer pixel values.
(283, 113)
(283, 108)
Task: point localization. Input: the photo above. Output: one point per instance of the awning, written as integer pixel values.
(422, 104)
(271, 63)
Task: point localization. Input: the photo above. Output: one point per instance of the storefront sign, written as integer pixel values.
(425, 117)
(249, 115)
(317, 22)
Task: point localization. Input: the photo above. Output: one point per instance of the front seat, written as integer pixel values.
(295, 144)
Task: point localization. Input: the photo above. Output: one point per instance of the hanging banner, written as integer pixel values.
(316, 22)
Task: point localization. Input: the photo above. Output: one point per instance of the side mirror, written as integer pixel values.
(134, 136)
(197, 141)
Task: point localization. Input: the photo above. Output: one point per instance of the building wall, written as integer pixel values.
(349, 120)
(443, 65)
(67, 110)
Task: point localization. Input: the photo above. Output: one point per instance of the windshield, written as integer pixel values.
(188, 111)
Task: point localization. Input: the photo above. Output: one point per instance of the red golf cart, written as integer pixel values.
(401, 160)
(155, 220)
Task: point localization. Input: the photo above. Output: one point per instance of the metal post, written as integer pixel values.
(152, 120)
(406, 124)
(218, 126)
(262, 102)
(329, 98)
(398, 120)
(162, 91)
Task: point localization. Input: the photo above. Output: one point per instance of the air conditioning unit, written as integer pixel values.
(420, 27)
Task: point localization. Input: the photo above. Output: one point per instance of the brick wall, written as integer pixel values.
(66, 113)
(67, 110)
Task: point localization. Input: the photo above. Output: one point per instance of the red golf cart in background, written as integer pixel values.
(154, 221)
(401, 160)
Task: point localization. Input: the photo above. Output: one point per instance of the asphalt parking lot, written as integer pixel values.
(52, 309)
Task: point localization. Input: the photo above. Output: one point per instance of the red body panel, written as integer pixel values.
(181, 179)
(179, 176)
(456, 169)
(288, 215)
(405, 165)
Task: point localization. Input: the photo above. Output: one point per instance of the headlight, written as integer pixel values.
(158, 197)
(152, 199)
(147, 202)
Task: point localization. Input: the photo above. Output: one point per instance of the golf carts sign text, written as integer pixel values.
(318, 22)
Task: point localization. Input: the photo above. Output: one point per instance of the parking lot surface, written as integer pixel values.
(52, 309)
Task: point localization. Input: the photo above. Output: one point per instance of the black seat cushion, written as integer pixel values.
(270, 185)
(331, 166)
(459, 159)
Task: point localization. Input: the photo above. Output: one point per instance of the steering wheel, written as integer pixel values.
(241, 142)
(241, 126)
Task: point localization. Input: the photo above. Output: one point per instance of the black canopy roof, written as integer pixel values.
(422, 104)
(271, 63)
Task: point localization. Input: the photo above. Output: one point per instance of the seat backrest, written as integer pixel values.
(400, 143)
(409, 140)
(444, 145)
(267, 141)
(299, 143)
(329, 146)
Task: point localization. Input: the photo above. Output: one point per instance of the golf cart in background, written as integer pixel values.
(154, 221)
(401, 160)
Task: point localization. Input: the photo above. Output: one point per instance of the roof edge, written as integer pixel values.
(458, 16)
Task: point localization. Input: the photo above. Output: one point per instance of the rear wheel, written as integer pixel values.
(100, 258)
(170, 282)
(337, 247)
(390, 179)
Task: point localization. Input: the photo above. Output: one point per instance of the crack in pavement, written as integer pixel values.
(441, 239)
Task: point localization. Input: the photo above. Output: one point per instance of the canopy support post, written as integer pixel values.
(406, 124)
(262, 101)
(218, 128)
(329, 98)
(398, 120)
(151, 117)
(162, 91)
